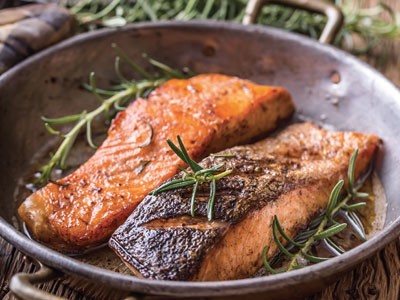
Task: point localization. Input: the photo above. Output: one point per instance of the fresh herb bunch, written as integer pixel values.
(366, 25)
(198, 176)
(322, 229)
(114, 98)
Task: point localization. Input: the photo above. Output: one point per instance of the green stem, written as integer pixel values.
(63, 149)
(108, 9)
(321, 227)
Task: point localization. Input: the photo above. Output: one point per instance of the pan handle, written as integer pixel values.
(22, 285)
(333, 13)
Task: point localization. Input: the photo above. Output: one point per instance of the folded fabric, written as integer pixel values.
(27, 29)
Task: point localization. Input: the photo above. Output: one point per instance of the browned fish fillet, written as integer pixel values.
(290, 176)
(210, 112)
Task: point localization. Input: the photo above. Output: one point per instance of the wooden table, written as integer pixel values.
(376, 278)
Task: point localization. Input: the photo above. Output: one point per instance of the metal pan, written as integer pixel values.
(314, 73)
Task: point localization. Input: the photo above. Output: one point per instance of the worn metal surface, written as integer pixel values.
(274, 57)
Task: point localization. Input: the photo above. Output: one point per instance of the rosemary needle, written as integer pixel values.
(63, 150)
(196, 177)
(117, 96)
(321, 229)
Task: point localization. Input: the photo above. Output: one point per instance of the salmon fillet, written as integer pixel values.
(210, 112)
(290, 176)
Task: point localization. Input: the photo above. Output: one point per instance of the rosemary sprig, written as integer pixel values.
(321, 229)
(363, 24)
(198, 176)
(85, 119)
(117, 97)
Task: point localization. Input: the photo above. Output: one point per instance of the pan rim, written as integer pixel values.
(312, 273)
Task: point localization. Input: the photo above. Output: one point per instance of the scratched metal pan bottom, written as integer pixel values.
(315, 74)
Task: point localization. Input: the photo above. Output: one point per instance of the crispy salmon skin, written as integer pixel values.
(210, 112)
(290, 176)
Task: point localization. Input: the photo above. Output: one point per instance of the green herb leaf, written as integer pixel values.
(191, 163)
(350, 172)
(278, 242)
(93, 87)
(355, 223)
(118, 94)
(282, 232)
(196, 185)
(177, 151)
(168, 71)
(361, 195)
(115, 22)
(221, 175)
(333, 247)
(51, 130)
(210, 205)
(89, 135)
(199, 175)
(118, 71)
(102, 92)
(266, 263)
(62, 120)
(134, 66)
(322, 229)
(312, 258)
(335, 229)
(334, 197)
(209, 170)
(172, 185)
(184, 170)
(355, 206)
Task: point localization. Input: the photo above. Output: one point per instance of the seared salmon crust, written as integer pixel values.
(290, 176)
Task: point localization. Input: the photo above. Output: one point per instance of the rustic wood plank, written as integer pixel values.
(376, 278)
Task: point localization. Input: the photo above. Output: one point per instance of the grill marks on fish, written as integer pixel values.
(290, 176)
(216, 113)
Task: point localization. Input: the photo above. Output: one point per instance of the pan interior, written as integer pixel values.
(327, 86)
